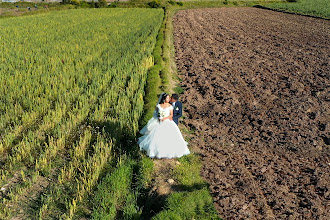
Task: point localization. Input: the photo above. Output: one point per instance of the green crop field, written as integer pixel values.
(319, 8)
(72, 87)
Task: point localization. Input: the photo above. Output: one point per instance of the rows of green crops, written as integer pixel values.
(72, 85)
(320, 8)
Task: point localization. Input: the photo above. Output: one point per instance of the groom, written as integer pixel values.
(177, 108)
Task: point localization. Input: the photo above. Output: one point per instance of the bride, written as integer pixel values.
(161, 136)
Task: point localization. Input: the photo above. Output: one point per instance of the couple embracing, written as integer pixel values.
(161, 136)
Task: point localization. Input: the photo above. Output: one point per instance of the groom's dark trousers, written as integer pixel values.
(177, 112)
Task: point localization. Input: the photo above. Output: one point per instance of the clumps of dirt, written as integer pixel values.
(257, 92)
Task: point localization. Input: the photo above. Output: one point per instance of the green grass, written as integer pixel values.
(320, 8)
(193, 200)
(188, 172)
(118, 194)
(189, 205)
(216, 4)
(114, 193)
(195, 4)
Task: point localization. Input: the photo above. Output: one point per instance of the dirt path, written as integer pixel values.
(257, 91)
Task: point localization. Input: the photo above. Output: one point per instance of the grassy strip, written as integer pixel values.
(225, 3)
(169, 51)
(189, 205)
(170, 71)
(113, 191)
(193, 201)
(178, 5)
(320, 8)
(117, 195)
(166, 72)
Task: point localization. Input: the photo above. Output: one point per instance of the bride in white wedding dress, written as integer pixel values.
(161, 136)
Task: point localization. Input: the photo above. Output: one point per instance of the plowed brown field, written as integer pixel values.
(257, 91)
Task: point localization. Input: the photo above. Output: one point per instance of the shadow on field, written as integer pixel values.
(121, 135)
(189, 188)
(153, 203)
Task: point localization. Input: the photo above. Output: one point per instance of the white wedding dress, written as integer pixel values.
(162, 139)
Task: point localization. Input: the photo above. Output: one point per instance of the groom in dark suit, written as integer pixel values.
(177, 108)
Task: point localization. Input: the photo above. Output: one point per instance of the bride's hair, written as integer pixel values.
(162, 100)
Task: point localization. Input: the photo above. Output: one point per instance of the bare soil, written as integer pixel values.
(257, 92)
(162, 182)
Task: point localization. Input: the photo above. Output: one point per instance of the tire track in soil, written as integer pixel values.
(257, 91)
